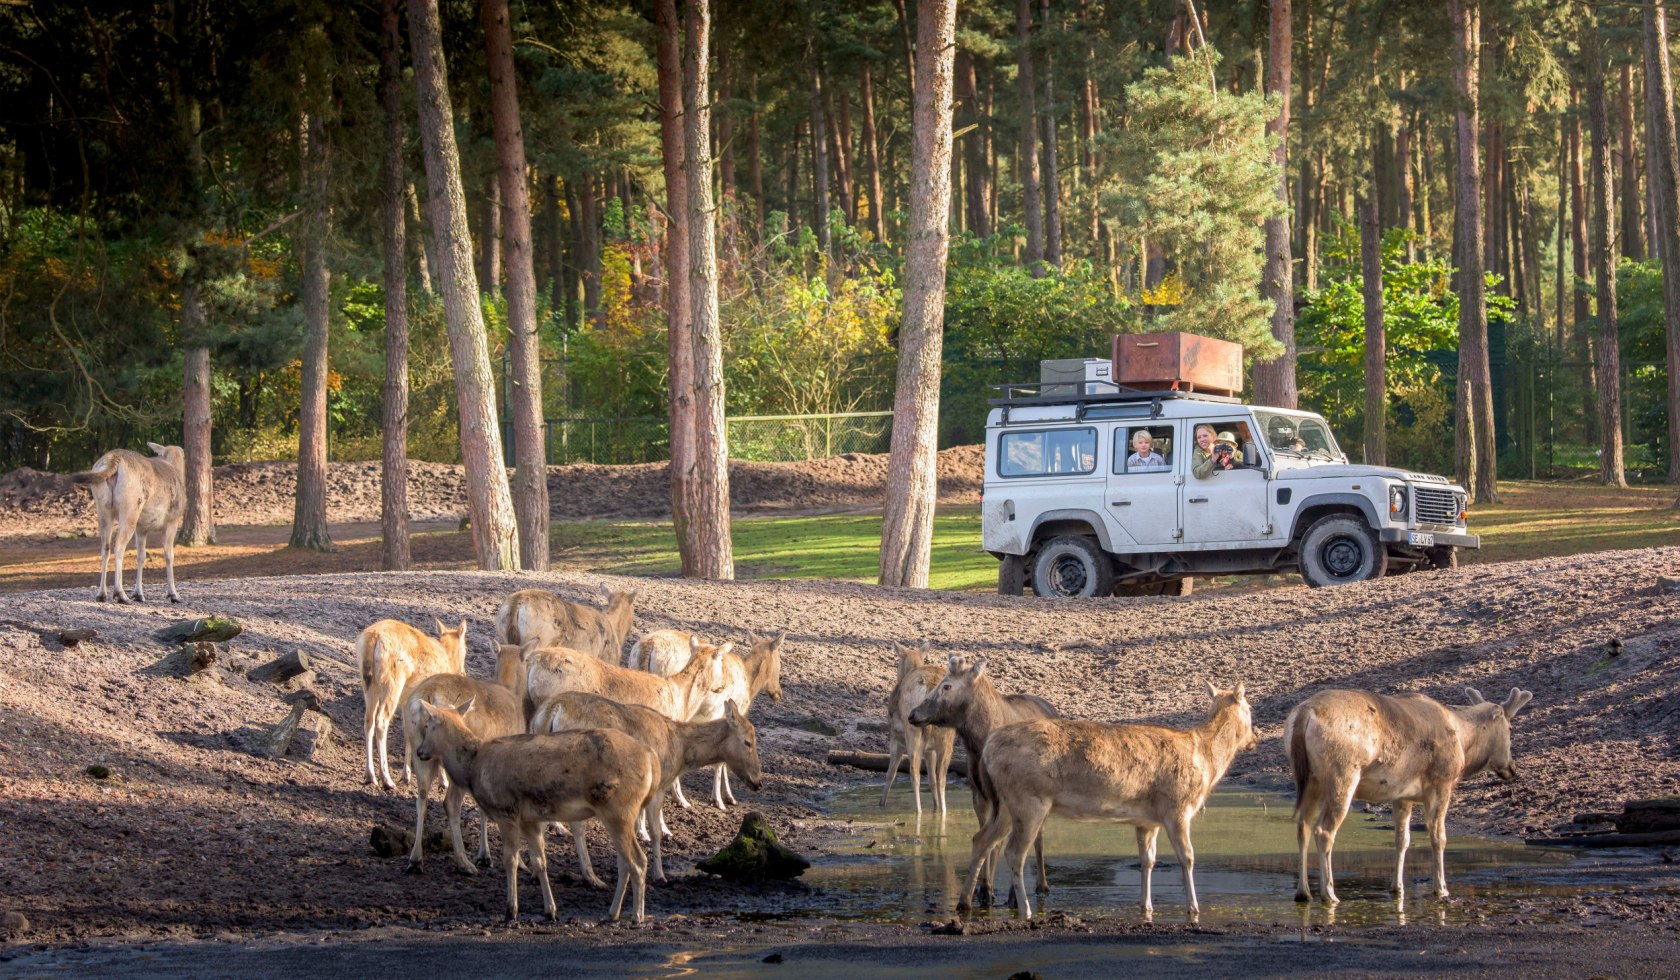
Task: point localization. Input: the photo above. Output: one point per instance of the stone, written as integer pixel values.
(755, 855)
(13, 925)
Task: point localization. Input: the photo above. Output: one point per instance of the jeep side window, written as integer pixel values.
(1222, 445)
(1143, 449)
(1048, 452)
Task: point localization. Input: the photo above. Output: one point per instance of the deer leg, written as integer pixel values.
(717, 787)
(539, 867)
(125, 535)
(913, 749)
(589, 875)
(1146, 837)
(370, 734)
(1024, 828)
(632, 864)
(642, 826)
(139, 566)
(1336, 799)
(1402, 841)
(677, 792)
(939, 765)
(510, 865)
(894, 748)
(654, 806)
(1043, 886)
(1178, 832)
(1435, 812)
(453, 798)
(169, 561)
(482, 858)
(105, 536)
(385, 751)
(416, 854)
(728, 791)
(990, 834)
(1305, 806)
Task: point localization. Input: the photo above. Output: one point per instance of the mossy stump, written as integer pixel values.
(755, 855)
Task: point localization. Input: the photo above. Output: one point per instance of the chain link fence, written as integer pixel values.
(765, 438)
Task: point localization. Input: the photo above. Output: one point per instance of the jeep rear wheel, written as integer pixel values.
(1072, 567)
(1339, 550)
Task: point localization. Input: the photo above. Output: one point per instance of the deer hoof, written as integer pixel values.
(101, 598)
(415, 868)
(1302, 896)
(175, 599)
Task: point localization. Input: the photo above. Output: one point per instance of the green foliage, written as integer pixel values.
(1195, 177)
(1639, 296)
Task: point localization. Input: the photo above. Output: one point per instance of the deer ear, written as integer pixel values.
(156, 449)
(465, 706)
(428, 708)
(693, 643)
(439, 624)
(606, 593)
(510, 650)
(526, 648)
(1475, 696)
(730, 711)
(1242, 691)
(720, 651)
(1213, 692)
(780, 637)
(1516, 702)
(463, 628)
(978, 668)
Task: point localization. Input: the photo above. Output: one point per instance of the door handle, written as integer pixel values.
(1198, 500)
(1119, 503)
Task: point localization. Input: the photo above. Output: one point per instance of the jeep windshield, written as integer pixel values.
(1299, 436)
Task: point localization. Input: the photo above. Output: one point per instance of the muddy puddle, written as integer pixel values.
(893, 867)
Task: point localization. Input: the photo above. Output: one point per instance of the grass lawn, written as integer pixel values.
(1532, 520)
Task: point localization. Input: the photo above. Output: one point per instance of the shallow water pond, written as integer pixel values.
(899, 867)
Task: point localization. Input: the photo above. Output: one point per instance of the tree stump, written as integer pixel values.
(202, 657)
(280, 737)
(755, 855)
(72, 637)
(212, 629)
(281, 670)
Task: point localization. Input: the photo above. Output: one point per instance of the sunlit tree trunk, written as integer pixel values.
(490, 505)
(393, 475)
(1031, 192)
(1477, 453)
(1663, 174)
(1052, 191)
(530, 482)
(1633, 227)
(198, 526)
(1607, 365)
(1274, 380)
(912, 470)
(872, 160)
(680, 338)
(1376, 341)
(819, 160)
(309, 517)
(714, 557)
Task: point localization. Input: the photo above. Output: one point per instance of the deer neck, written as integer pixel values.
(618, 620)
(1473, 739)
(757, 665)
(1220, 738)
(459, 755)
(703, 742)
(987, 712)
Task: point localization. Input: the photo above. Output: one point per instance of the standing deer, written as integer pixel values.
(137, 496)
(524, 782)
(933, 744)
(534, 615)
(392, 656)
(967, 701)
(556, 670)
(1145, 775)
(1403, 749)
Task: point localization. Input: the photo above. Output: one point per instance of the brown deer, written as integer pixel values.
(682, 747)
(933, 744)
(137, 496)
(392, 656)
(967, 701)
(1145, 775)
(1403, 749)
(550, 621)
(497, 711)
(524, 782)
(556, 670)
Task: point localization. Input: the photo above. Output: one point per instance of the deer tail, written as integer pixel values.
(1300, 760)
(103, 472)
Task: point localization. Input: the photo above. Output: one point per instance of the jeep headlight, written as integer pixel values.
(1397, 501)
(1461, 504)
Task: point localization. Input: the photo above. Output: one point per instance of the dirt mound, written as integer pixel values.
(186, 815)
(32, 501)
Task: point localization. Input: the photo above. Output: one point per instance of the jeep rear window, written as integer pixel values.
(1047, 452)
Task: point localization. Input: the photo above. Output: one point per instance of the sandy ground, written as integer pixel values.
(192, 835)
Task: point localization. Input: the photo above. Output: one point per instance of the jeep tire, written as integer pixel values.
(1072, 567)
(1339, 550)
(1012, 575)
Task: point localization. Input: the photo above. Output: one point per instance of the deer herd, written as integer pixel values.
(564, 734)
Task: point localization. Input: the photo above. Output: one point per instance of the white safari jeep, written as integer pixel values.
(1095, 492)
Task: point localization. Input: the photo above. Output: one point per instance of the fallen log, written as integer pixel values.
(72, 637)
(878, 761)
(213, 629)
(282, 669)
(1657, 839)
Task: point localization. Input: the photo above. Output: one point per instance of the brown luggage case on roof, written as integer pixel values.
(1179, 362)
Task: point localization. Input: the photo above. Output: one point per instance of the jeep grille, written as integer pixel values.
(1435, 506)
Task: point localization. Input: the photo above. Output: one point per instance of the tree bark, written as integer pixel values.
(840, 130)
(198, 526)
(819, 160)
(393, 475)
(1662, 157)
(755, 163)
(872, 160)
(975, 189)
(1633, 225)
(309, 516)
(1561, 287)
(530, 481)
(1477, 453)
(1274, 380)
(1607, 366)
(678, 312)
(1052, 166)
(425, 245)
(494, 528)
(909, 50)
(490, 237)
(1376, 341)
(589, 223)
(725, 119)
(715, 558)
(1031, 198)
(1088, 146)
(912, 471)
(1582, 312)
(1403, 179)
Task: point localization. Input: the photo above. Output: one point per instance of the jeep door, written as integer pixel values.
(1142, 503)
(1229, 507)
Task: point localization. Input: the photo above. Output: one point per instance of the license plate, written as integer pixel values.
(1422, 539)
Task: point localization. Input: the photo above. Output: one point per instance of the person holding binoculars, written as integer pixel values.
(1214, 452)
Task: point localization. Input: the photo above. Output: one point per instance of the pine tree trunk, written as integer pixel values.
(725, 126)
(309, 518)
(1561, 286)
(393, 475)
(425, 244)
(755, 162)
(791, 172)
(1403, 179)
(1088, 147)
(198, 526)
(589, 222)
(1477, 468)
(842, 126)
(1578, 258)
(490, 238)
(1274, 380)
(1376, 341)
(714, 557)
(1633, 225)
(872, 160)
(819, 163)
(1607, 367)
(1052, 166)
(1031, 192)
(680, 338)
(975, 192)
(530, 481)
(554, 231)
(490, 505)
(909, 51)
(1663, 175)
(912, 470)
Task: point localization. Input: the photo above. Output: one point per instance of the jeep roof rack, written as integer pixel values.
(1094, 392)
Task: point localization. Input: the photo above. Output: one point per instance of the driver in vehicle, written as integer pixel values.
(1284, 436)
(1215, 452)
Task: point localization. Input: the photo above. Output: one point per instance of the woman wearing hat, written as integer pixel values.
(1215, 451)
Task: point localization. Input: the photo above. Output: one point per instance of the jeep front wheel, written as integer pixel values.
(1012, 575)
(1072, 567)
(1339, 550)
